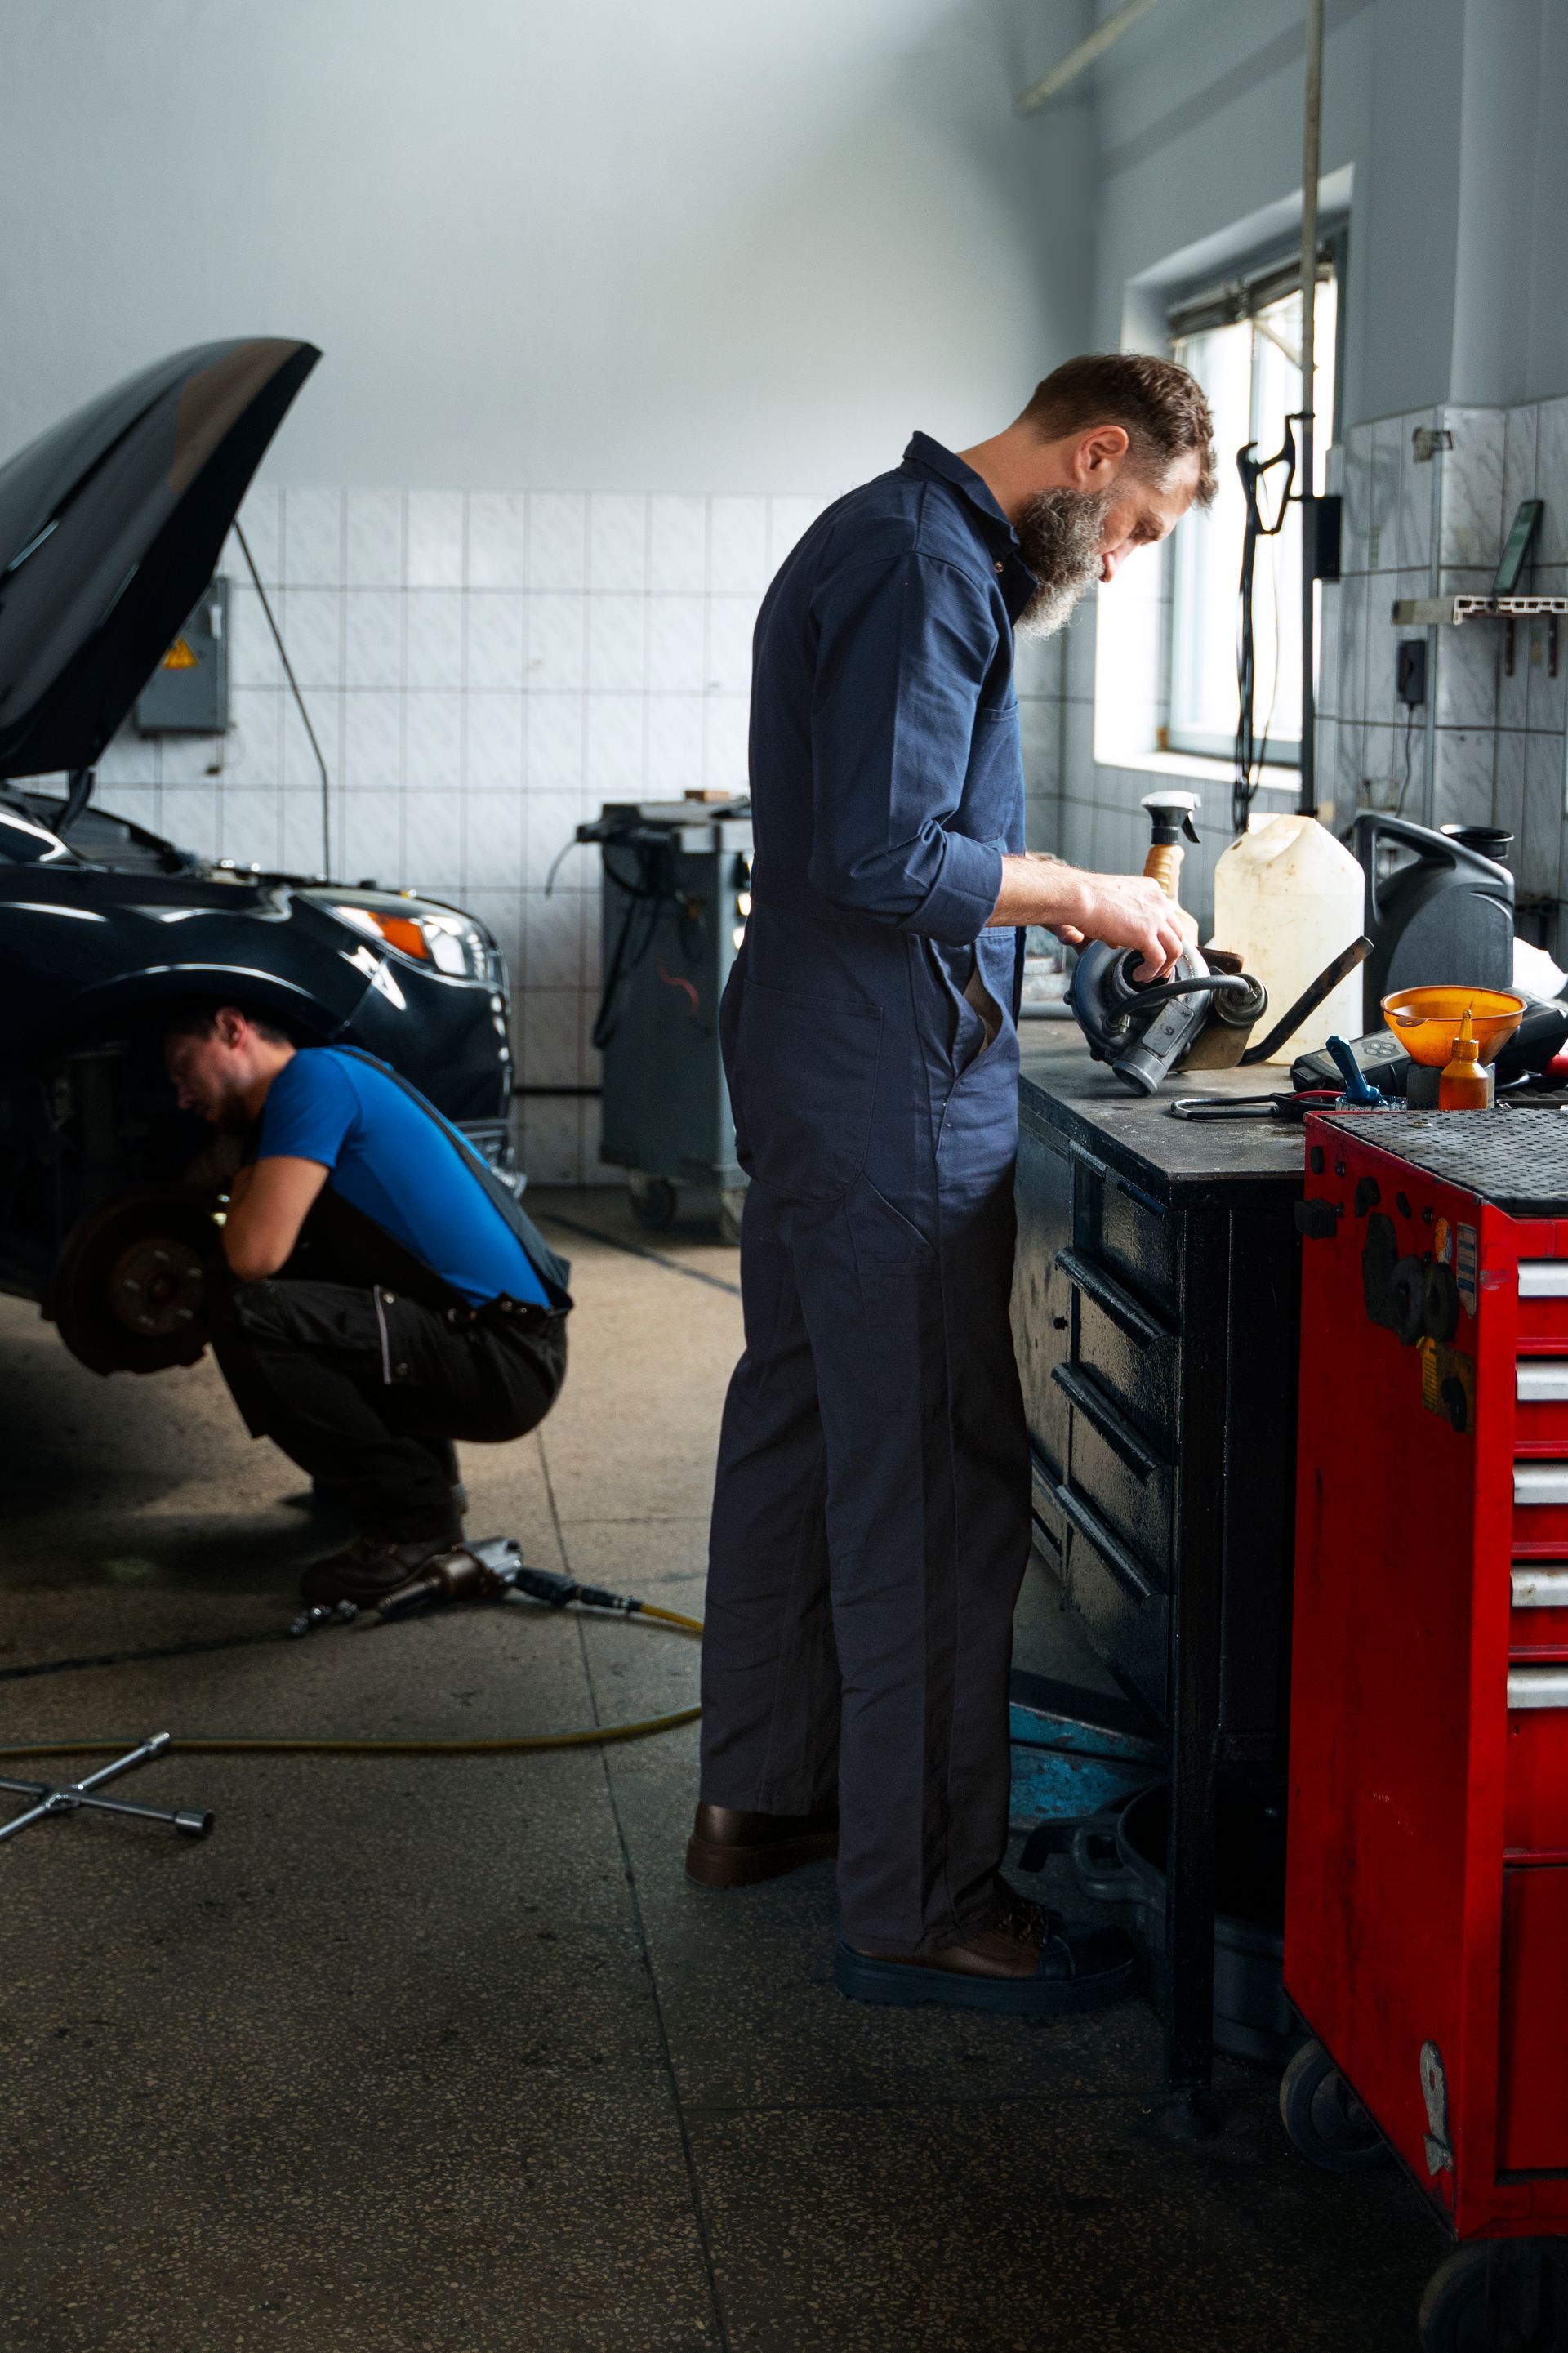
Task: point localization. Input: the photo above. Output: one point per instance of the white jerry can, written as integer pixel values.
(1287, 897)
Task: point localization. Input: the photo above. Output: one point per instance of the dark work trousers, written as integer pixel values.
(871, 1510)
(363, 1366)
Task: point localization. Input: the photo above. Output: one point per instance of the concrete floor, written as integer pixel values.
(428, 2054)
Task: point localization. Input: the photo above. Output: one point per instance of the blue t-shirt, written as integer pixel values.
(390, 1160)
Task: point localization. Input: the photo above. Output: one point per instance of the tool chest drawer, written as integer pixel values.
(1541, 1504)
(1541, 1405)
(1532, 2085)
(1538, 1620)
(1535, 1818)
(1543, 1308)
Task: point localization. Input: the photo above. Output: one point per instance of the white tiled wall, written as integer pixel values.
(1495, 750)
(483, 670)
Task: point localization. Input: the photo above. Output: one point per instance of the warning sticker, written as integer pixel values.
(1465, 1256)
(1449, 1384)
(179, 657)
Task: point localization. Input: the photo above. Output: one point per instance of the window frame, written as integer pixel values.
(1267, 276)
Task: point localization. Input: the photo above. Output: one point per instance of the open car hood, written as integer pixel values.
(110, 525)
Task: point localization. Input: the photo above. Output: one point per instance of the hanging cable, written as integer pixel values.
(294, 684)
(1249, 753)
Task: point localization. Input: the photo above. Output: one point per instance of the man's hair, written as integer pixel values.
(197, 1017)
(1161, 407)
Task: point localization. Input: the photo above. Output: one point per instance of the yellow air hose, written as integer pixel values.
(201, 1744)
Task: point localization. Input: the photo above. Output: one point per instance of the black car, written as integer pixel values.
(110, 526)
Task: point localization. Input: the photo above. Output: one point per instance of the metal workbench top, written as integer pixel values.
(1190, 1163)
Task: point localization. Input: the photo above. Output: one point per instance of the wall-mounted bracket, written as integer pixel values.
(1448, 612)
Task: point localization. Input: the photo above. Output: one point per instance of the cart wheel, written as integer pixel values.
(730, 1207)
(654, 1201)
(1528, 2316)
(1323, 2117)
(1452, 2315)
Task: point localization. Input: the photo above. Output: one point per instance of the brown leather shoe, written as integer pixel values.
(732, 1848)
(367, 1570)
(1025, 1964)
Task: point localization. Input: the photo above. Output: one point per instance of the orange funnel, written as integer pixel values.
(1427, 1021)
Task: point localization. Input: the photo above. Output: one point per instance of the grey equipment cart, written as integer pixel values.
(677, 893)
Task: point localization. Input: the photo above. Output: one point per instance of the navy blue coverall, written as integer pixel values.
(872, 1513)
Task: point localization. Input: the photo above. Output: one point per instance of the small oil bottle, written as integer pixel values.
(1465, 1084)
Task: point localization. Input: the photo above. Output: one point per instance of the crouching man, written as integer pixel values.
(386, 1295)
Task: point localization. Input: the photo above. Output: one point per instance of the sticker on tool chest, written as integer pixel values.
(1442, 1241)
(1449, 1384)
(1464, 1255)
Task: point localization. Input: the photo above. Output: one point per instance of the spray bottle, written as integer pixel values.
(1170, 817)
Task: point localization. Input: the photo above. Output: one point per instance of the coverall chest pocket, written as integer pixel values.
(808, 1074)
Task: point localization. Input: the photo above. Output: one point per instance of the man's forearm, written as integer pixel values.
(1126, 910)
(1038, 889)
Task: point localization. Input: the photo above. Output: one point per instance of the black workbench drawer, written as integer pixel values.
(1126, 1621)
(1119, 1473)
(1130, 1351)
(1135, 1238)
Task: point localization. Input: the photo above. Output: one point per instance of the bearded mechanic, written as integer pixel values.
(872, 1509)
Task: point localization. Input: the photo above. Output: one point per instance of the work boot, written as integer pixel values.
(367, 1569)
(1027, 1964)
(731, 1848)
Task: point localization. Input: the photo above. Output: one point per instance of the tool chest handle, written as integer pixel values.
(1538, 1687)
(1545, 1587)
(1541, 1483)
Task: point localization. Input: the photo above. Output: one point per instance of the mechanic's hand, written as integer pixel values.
(1129, 911)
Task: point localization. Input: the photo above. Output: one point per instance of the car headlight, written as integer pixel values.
(452, 943)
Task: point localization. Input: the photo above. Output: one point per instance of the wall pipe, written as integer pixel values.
(1078, 60)
(1311, 145)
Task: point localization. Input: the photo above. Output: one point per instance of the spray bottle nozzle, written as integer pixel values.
(1171, 815)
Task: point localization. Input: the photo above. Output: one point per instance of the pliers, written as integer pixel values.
(1279, 1106)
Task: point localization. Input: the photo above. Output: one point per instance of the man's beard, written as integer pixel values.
(1059, 534)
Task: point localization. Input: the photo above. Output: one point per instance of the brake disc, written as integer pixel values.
(129, 1293)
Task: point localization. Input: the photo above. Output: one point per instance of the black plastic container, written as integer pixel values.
(1443, 918)
(1121, 1859)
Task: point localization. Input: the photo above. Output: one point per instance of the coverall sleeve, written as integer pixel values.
(903, 650)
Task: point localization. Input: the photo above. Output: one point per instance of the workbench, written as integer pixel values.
(1156, 1318)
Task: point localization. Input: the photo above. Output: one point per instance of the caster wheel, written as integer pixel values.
(654, 1202)
(1325, 2120)
(1526, 2311)
(730, 1207)
(1452, 2315)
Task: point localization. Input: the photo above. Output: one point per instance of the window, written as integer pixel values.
(1243, 343)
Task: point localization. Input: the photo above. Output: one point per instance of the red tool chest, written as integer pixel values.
(1426, 1909)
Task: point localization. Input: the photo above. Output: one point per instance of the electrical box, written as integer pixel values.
(187, 694)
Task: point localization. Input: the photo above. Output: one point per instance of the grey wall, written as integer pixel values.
(1198, 124)
(687, 247)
